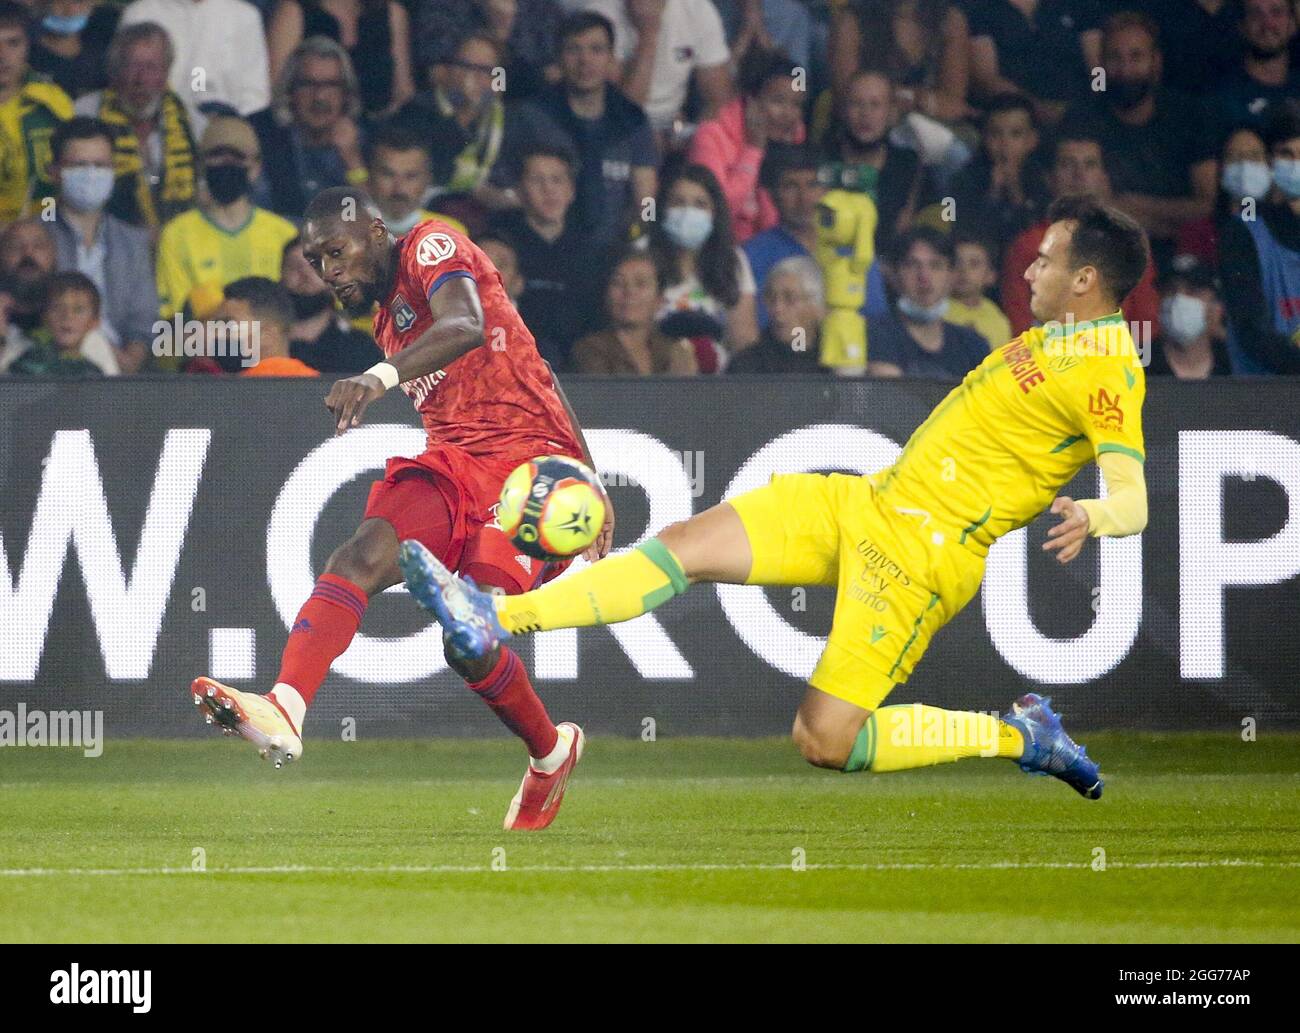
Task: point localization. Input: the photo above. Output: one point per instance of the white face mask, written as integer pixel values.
(1247, 178)
(87, 187)
(688, 227)
(1183, 317)
(922, 313)
(399, 227)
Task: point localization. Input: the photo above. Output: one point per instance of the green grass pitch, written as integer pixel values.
(670, 840)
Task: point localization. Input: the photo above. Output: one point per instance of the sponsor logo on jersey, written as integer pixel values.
(1104, 409)
(403, 314)
(435, 248)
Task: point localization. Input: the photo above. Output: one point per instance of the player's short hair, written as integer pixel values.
(1283, 123)
(781, 158)
(584, 21)
(559, 152)
(68, 282)
(936, 239)
(78, 127)
(332, 203)
(1105, 238)
(1005, 102)
(759, 67)
(1123, 20)
(15, 15)
(392, 136)
(267, 299)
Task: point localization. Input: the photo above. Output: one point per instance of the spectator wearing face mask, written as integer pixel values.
(399, 176)
(731, 146)
(915, 340)
(1245, 179)
(320, 335)
(115, 255)
(709, 288)
(226, 237)
(13, 342)
(1162, 161)
(1260, 261)
(70, 42)
(1192, 338)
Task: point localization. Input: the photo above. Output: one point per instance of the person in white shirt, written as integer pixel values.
(660, 45)
(220, 51)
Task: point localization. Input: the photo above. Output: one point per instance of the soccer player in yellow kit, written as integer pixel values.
(906, 546)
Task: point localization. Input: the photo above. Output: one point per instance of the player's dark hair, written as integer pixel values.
(551, 150)
(15, 14)
(1106, 239)
(1005, 102)
(266, 299)
(584, 21)
(935, 239)
(333, 203)
(759, 67)
(718, 267)
(1283, 123)
(393, 136)
(78, 127)
(66, 282)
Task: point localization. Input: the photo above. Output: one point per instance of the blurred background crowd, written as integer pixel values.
(668, 187)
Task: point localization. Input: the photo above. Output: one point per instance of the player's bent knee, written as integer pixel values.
(368, 560)
(820, 747)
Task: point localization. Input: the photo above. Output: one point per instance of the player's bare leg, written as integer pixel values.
(363, 566)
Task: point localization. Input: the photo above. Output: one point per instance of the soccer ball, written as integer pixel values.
(552, 507)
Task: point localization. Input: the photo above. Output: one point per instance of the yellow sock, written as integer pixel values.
(918, 736)
(617, 588)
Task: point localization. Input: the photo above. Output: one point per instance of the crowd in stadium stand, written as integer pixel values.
(669, 187)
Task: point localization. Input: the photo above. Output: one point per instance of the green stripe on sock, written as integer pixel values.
(864, 747)
(657, 553)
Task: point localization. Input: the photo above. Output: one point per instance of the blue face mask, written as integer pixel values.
(918, 313)
(1286, 174)
(65, 24)
(688, 227)
(87, 187)
(1247, 178)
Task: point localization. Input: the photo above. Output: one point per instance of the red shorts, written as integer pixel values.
(471, 487)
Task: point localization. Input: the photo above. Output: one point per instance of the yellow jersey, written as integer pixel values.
(985, 318)
(995, 452)
(27, 122)
(194, 252)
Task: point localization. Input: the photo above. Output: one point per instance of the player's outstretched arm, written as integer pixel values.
(457, 328)
(1122, 512)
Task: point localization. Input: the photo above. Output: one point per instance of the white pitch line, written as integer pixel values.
(454, 869)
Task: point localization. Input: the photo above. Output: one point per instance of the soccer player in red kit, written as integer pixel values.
(455, 344)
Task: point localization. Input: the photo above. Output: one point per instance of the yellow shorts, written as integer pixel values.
(900, 577)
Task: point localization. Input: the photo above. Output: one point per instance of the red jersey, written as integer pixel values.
(495, 401)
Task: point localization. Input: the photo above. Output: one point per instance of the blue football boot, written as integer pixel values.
(1048, 750)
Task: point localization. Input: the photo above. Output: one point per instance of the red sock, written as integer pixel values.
(512, 698)
(323, 629)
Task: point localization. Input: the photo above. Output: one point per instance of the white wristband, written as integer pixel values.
(387, 374)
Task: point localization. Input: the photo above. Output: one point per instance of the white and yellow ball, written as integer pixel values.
(552, 507)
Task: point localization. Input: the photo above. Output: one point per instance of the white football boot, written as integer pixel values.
(259, 719)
